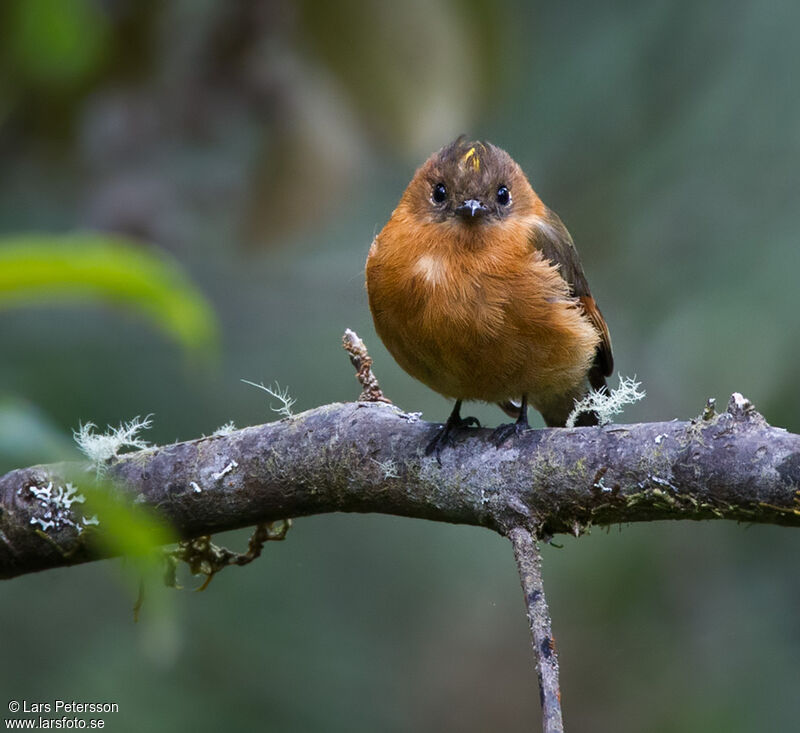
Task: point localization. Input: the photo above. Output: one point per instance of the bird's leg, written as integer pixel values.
(445, 436)
(503, 432)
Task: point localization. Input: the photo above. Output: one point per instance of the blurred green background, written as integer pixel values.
(255, 149)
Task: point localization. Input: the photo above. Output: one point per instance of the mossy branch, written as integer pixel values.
(333, 459)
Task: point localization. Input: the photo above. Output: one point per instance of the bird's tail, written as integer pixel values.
(597, 380)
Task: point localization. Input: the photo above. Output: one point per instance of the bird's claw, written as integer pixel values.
(447, 435)
(442, 439)
(503, 432)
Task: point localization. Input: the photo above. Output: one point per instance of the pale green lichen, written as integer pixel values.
(56, 503)
(229, 467)
(388, 467)
(279, 393)
(224, 430)
(606, 405)
(100, 448)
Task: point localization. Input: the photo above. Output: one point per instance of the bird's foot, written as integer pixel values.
(447, 435)
(503, 432)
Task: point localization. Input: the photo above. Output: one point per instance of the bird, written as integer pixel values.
(477, 291)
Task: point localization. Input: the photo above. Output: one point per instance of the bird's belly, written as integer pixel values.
(482, 342)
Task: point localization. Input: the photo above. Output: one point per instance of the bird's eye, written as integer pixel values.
(503, 196)
(439, 193)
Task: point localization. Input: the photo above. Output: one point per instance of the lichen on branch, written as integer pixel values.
(368, 457)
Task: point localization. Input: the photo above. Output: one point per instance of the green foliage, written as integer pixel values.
(45, 268)
(56, 42)
(126, 529)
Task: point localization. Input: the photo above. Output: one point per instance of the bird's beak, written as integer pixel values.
(471, 209)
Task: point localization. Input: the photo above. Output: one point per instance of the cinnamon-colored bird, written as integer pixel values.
(477, 291)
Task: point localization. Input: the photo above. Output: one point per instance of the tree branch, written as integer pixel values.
(529, 564)
(368, 457)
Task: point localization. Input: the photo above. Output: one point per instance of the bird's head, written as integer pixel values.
(470, 184)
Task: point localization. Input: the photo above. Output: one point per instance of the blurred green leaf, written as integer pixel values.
(36, 269)
(56, 42)
(126, 529)
(136, 533)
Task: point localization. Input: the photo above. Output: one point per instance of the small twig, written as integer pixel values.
(529, 564)
(361, 360)
(205, 558)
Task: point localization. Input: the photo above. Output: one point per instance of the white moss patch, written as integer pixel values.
(100, 448)
(225, 471)
(55, 504)
(279, 393)
(606, 405)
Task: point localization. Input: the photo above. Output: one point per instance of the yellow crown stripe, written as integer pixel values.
(472, 157)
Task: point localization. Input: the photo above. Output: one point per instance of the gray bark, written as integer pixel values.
(529, 565)
(368, 457)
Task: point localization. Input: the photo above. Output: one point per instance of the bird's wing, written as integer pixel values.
(551, 238)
